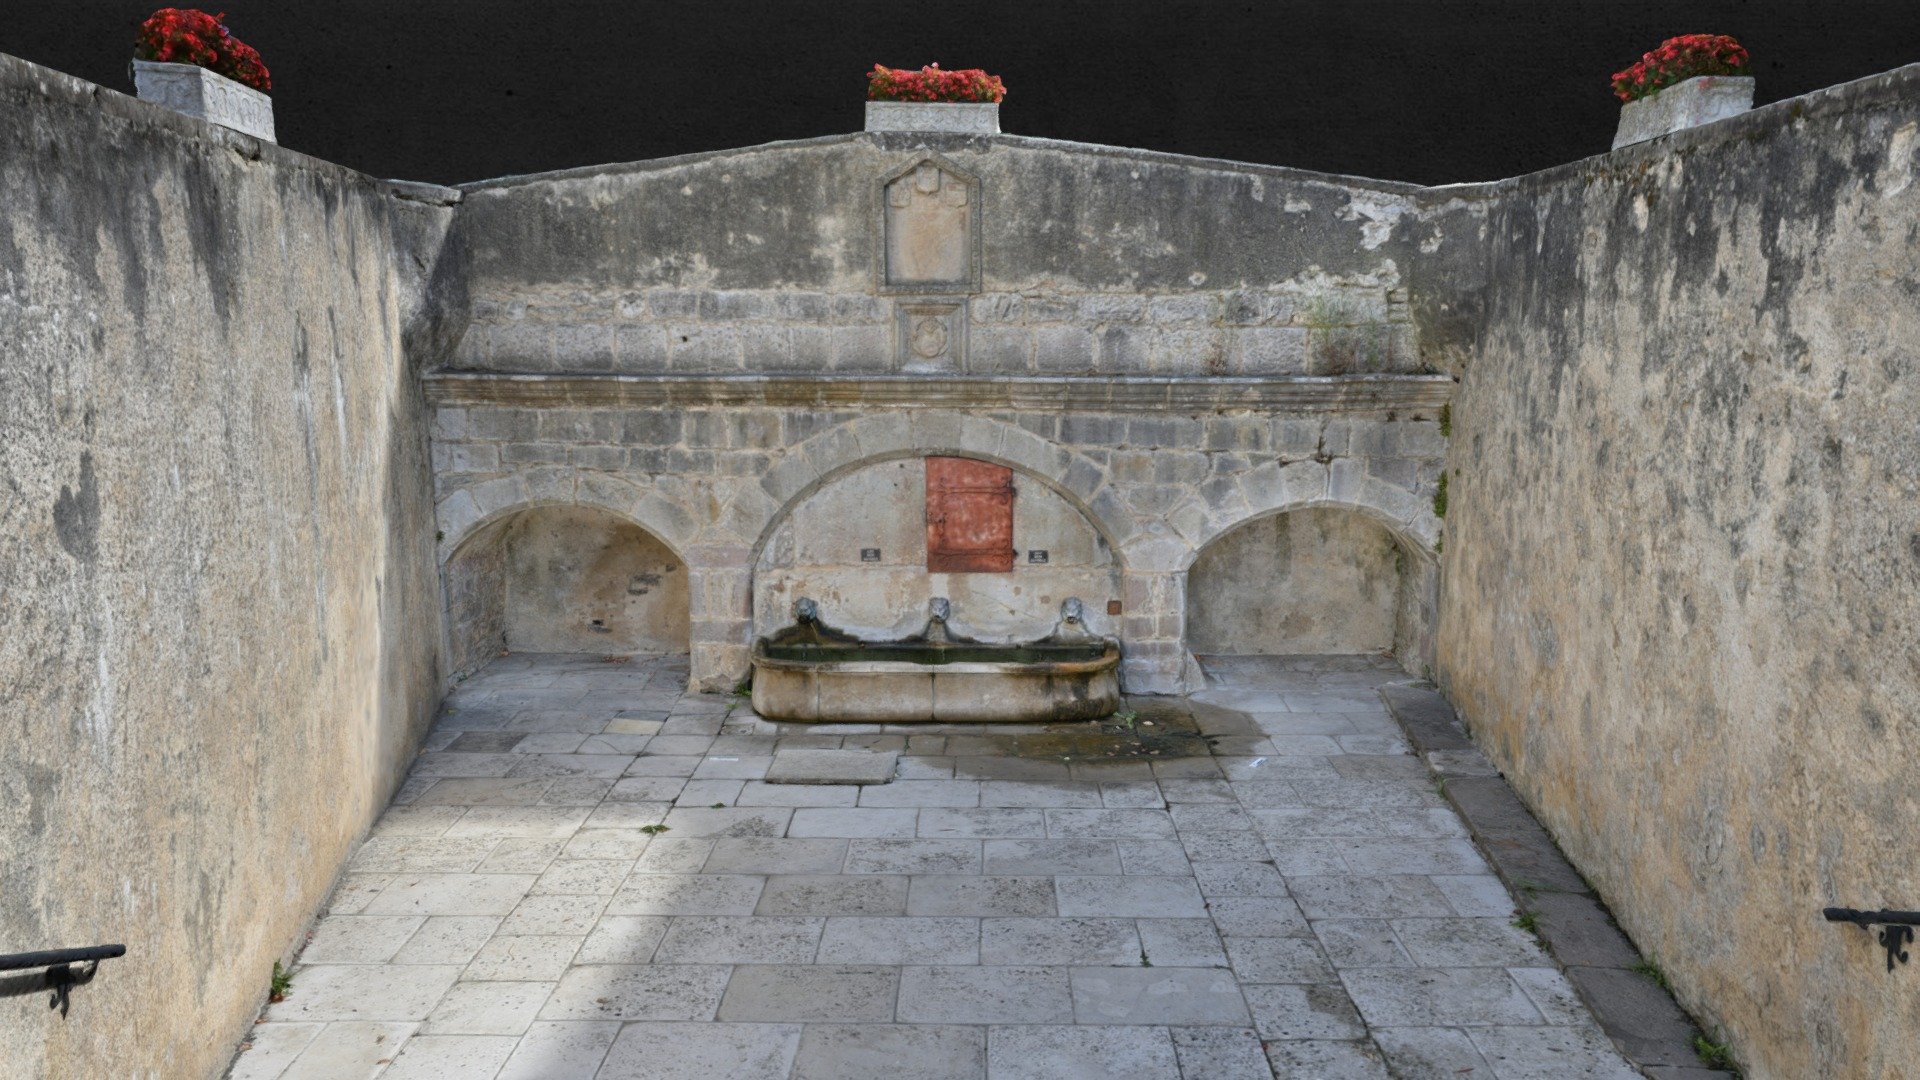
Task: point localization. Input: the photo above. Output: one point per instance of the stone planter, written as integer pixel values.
(1699, 100)
(950, 117)
(203, 95)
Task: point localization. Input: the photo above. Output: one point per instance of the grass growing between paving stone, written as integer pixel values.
(1650, 967)
(280, 984)
(1712, 1054)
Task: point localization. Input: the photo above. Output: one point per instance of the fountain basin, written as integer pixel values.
(959, 683)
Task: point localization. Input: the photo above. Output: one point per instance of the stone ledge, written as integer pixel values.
(1305, 393)
(1644, 1022)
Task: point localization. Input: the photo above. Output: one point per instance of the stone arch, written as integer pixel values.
(858, 451)
(1405, 516)
(1274, 489)
(640, 529)
(468, 512)
(834, 453)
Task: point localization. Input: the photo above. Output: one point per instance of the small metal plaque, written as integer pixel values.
(1037, 555)
(869, 554)
(1113, 607)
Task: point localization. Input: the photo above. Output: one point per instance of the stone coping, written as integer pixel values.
(1307, 393)
(1637, 1013)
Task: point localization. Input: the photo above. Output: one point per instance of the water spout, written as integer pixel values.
(936, 632)
(1072, 627)
(808, 629)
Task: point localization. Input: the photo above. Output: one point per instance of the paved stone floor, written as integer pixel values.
(585, 876)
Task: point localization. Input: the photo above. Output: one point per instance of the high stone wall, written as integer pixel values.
(1171, 346)
(1681, 599)
(217, 631)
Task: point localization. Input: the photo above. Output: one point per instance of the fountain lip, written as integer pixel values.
(810, 672)
(879, 657)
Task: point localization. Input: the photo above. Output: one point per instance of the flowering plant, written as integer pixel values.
(191, 36)
(1678, 59)
(932, 84)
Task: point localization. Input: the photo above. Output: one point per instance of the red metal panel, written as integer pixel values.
(969, 516)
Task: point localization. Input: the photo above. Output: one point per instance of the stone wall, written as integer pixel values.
(217, 632)
(715, 483)
(1077, 260)
(1682, 564)
(1167, 346)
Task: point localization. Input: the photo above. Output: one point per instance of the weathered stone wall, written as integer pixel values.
(217, 625)
(1309, 582)
(1084, 260)
(1172, 345)
(1682, 561)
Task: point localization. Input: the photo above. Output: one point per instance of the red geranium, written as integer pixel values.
(932, 84)
(191, 36)
(1678, 59)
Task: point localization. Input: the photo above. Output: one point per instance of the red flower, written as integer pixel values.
(191, 36)
(1678, 59)
(932, 84)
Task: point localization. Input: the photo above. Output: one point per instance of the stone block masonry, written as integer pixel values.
(1289, 329)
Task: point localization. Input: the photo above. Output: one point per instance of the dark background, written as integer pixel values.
(1430, 91)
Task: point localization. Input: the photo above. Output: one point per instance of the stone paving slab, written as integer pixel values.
(1635, 1013)
(821, 766)
(591, 873)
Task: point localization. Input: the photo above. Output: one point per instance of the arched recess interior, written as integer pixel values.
(1319, 580)
(563, 578)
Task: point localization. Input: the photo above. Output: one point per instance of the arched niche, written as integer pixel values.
(1324, 580)
(563, 578)
(857, 545)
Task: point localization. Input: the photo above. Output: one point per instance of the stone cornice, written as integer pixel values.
(1303, 393)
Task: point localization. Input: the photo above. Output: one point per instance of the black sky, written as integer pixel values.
(1431, 91)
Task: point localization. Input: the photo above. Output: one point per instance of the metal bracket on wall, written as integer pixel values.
(60, 976)
(1896, 928)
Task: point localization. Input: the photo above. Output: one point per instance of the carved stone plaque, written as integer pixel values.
(930, 335)
(930, 218)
